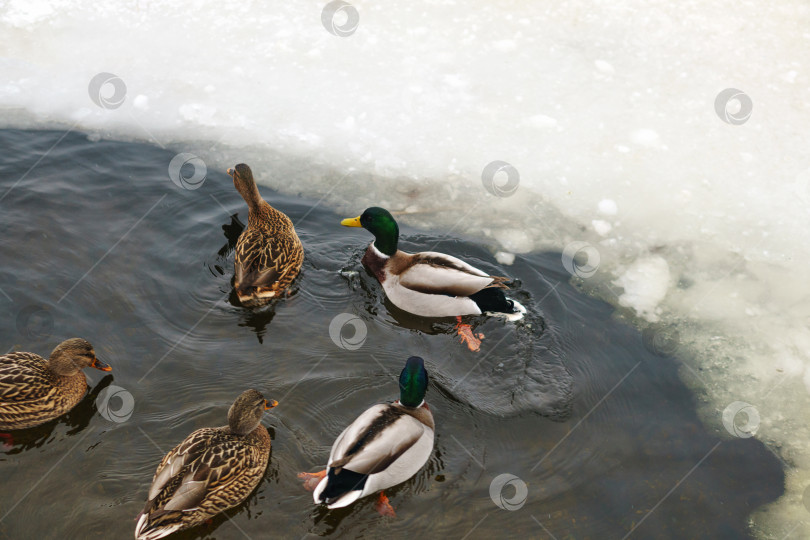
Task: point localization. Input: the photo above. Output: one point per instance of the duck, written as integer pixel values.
(34, 390)
(385, 446)
(430, 283)
(269, 253)
(212, 470)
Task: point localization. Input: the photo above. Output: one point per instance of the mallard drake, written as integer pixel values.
(430, 284)
(34, 390)
(212, 470)
(383, 447)
(268, 253)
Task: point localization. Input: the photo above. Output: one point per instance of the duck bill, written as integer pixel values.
(269, 404)
(98, 364)
(230, 172)
(351, 222)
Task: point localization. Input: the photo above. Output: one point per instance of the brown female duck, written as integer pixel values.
(212, 470)
(34, 390)
(268, 253)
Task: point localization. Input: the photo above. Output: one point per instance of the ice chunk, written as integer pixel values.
(608, 207)
(645, 285)
(601, 227)
(603, 67)
(504, 257)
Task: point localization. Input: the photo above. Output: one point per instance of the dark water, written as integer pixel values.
(97, 242)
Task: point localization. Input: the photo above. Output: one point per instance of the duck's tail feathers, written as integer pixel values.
(516, 315)
(146, 529)
(341, 488)
(493, 300)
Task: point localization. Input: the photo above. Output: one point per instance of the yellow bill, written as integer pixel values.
(351, 222)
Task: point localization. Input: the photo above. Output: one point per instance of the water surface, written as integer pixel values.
(97, 242)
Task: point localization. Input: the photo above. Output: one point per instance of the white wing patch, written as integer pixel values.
(441, 274)
(431, 279)
(349, 435)
(427, 305)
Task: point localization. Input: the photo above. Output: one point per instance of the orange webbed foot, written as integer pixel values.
(383, 506)
(472, 339)
(7, 441)
(311, 480)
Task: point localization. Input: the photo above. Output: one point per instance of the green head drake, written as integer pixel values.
(379, 222)
(413, 382)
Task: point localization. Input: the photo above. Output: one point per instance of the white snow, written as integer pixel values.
(601, 227)
(613, 101)
(604, 67)
(645, 285)
(505, 257)
(608, 207)
(645, 137)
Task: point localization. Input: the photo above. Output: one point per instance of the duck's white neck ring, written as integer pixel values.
(379, 253)
(398, 402)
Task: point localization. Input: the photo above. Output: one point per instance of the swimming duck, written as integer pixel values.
(383, 447)
(431, 284)
(34, 390)
(268, 253)
(212, 470)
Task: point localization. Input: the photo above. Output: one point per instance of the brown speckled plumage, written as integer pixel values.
(34, 390)
(269, 253)
(212, 470)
